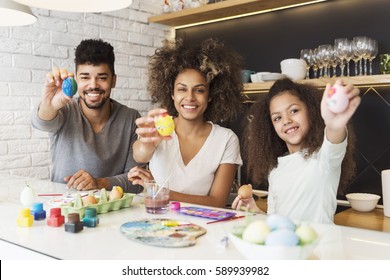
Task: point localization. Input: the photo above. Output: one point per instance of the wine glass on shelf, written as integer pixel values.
(314, 64)
(324, 56)
(319, 63)
(373, 51)
(306, 55)
(358, 49)
(334, 61)
(341, 46)
(349, 56)
(365, 53)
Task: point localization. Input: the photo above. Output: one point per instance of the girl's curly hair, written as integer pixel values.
(262, 146)
(220, 66)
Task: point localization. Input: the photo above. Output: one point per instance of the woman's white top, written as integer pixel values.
(221, 146)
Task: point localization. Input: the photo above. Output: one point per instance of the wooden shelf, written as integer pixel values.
(216, 11)
(359, 81)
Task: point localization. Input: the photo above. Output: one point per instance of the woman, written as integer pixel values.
(198, 85)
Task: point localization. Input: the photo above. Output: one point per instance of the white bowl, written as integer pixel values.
(293, 68)
(262, 252)
(363, 202)
(292, 62)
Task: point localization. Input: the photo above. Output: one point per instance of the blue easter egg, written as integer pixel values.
(282, 237)
(69, 86)
(276, 221)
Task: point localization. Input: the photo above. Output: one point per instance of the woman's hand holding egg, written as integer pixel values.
(245, 191)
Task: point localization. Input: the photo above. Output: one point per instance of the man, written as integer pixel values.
(91, 135)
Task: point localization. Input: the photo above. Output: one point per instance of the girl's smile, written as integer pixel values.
(289, 118)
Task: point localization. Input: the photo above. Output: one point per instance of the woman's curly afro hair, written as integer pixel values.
(220, 66)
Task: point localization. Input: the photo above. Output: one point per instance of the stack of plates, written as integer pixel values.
(272, 77)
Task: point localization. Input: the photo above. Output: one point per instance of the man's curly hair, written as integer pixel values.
(220, 66)
(95, 52)
(262, 146)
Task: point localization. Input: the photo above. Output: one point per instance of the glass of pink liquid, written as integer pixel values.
(156, 197)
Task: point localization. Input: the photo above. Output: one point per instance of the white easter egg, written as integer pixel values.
(27, 197)
(306, 234)
(282, 237)
(337, 99)
(256, 232)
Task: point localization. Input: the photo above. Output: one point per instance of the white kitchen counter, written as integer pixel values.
(107, 242)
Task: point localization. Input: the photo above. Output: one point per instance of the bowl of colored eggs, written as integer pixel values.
(275, 238)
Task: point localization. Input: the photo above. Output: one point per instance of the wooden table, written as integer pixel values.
(374, 220)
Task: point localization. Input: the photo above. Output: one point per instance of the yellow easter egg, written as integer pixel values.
(164, 124)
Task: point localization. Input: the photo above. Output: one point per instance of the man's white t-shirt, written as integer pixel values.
(305, 189)
(221, 146)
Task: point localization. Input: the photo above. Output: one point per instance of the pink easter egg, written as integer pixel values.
(337, 99)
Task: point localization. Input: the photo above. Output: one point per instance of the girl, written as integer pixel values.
(299, 145)
(198, 85)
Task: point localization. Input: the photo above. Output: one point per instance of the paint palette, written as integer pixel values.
(162, 232)
(206, 213)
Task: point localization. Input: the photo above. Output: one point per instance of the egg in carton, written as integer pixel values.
(102, 206)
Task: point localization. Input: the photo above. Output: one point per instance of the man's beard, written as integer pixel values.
(95, 105)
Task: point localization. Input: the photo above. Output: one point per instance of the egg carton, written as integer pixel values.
(103, 206)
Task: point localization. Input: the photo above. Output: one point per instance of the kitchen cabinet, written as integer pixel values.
(216, 11)
(359, 81)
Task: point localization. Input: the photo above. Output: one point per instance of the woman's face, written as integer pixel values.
(289, 117)
(191, 94)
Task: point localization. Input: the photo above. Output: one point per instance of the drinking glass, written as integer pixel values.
(359, 48)
(306, 55)
(372, 51)
(334, 61)
(156, 197)
(349, 56)
(314, 63)
(342, 46)
(324, 56)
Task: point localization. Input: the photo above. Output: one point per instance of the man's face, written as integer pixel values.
(94, 83)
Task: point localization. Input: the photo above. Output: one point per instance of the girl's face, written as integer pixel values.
(191, 94)
(290, 119)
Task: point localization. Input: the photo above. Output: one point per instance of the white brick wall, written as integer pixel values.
(27, 53)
